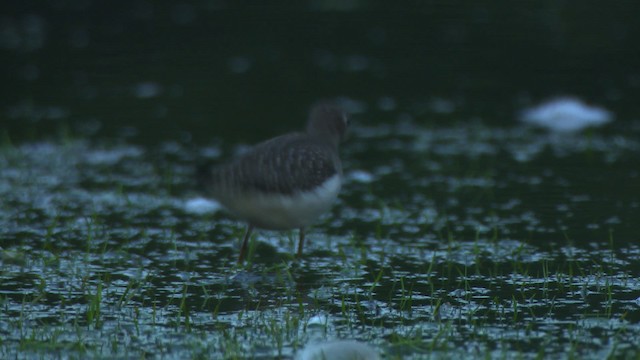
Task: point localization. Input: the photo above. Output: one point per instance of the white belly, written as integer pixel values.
(279, 212)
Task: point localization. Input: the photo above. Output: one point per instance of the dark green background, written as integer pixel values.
(490, 59)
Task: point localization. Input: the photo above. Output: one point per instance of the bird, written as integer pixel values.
(286, 182)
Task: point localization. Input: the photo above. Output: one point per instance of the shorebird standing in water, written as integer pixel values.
(286, 182)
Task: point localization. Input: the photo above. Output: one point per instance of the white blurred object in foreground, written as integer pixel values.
(201, 206)
(566, 115)
(338, 350)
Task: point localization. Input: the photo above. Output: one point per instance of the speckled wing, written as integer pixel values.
(285, 165)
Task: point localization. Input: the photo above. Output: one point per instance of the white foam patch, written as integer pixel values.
(360, 176)
(566, 115)
(338, 350)
(147, 89)
(201, 206)
(318, 320)
(112, 156)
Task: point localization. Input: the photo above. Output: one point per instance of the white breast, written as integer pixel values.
(280, 211)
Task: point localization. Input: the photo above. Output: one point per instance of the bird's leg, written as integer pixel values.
(243, 248)
(301, 243)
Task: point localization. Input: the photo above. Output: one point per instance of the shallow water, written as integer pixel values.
(460, 231)
(512, 247)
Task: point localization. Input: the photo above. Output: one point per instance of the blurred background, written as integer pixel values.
(194, 71)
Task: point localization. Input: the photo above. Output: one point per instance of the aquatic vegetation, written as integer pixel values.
(468, 241)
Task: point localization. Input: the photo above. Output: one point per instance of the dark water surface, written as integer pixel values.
(460, 231)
